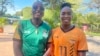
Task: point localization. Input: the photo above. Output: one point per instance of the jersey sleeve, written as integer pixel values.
(51, 37)
(18, 32)
(82, 43)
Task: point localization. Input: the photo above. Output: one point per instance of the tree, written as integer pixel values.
(52, 17)
(3, 21)
(52, 4)
(94, 18)
(3, 6)
(94, 4)
(54, 7)
(93, 22)
(52, 11)
(26, 12)
(76, 4)
(18, 13)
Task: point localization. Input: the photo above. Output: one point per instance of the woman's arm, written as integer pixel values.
(17, 47)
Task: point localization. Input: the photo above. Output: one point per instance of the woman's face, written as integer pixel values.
(66, 15)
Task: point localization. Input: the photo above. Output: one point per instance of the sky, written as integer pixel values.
(20, 4)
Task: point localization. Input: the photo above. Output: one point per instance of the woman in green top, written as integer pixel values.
(31, 36)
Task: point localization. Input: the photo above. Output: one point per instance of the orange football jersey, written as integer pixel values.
(68, 43)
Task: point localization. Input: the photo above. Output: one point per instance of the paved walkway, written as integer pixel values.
(6, 47)
(6, 44)
(94, 46)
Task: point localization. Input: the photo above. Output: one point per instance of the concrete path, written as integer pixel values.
(94, 46)
(6, 44)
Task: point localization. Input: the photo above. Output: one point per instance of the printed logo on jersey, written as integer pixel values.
(45, 34)
(27, 32)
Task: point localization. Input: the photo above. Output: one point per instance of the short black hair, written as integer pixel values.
(66, 4)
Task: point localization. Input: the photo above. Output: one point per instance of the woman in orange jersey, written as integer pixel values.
(68, 40)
